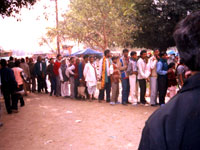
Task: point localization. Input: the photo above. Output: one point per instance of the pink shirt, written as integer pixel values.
(17, 73)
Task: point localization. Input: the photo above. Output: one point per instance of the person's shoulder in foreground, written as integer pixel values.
(176, 126)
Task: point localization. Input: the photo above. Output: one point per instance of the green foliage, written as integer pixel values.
(7, 7)
(97, 23)
(157, 19)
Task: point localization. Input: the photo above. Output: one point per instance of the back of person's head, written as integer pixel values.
(106, 52)
(30, 59)
(187, 38)
(142, 52)
(11, 58)
(22, 60)
(3, 63)
(17, 63)
(181, 62)
(133, 53)
(125, 50)
(171, 65)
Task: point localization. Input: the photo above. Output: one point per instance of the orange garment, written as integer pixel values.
(103, 72)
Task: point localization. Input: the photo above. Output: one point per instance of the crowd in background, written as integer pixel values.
(79, 78)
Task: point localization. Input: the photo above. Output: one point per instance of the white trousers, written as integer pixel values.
(65, 89)
(133, 88)
(154, 90)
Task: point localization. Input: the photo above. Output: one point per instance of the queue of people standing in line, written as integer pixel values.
(85, 75)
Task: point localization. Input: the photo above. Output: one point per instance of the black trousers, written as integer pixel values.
(86, 92)
(41, 83)
(53, 85)
(9, 99)
(107, 87)
(33, 84)
(76, 84)
(162, 88)
(142, 85)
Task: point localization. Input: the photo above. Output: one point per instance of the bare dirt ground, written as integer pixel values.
(51, 123)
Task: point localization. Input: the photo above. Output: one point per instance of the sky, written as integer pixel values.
(26, 34)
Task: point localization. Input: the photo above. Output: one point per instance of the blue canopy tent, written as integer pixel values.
(74, 54)
(87, 51)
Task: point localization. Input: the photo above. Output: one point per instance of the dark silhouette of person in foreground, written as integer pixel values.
(176, 126)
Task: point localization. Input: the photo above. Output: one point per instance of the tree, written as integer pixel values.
(157, 19)
(97, 23)
(7, 7)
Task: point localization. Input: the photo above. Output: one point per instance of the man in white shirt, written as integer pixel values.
(153, 77)
(90, 76)
(104, 75)
(143, 74)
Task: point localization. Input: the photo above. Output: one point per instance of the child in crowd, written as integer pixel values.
(115, 76)
(172, 83)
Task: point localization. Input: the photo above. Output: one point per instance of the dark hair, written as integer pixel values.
(51, 59)
(17, 63)
(11, 58)
(172, 64)
(142, 52)
(125, 50)
(155, 49)
(85, 56)
(133, 53)
(106, 52)
(162, 53)
(181, 62)
(39, 57)
(58, 55)
(187, 38)
(3, 63)
(114, 58)
(22, 60)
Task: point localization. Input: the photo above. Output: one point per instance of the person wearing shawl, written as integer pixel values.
(104, 75)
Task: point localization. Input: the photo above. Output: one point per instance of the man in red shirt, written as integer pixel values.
(57, 65)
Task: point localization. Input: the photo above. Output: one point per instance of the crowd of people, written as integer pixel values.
(79, 78)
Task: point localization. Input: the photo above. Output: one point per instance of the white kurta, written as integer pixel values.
(90, 75)
(64, 85)
(143, 69)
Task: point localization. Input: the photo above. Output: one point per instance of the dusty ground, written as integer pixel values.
(51, 123)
